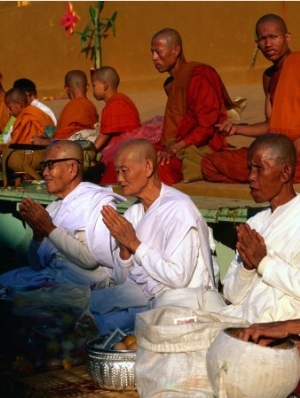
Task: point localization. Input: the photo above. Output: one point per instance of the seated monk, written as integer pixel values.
(4, 111)
(30, 89)
(197, 101)
(30, 121)
(281, 87)
(119, 118)
(79, 113)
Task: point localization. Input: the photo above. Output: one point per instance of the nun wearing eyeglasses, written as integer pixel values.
(70, 242)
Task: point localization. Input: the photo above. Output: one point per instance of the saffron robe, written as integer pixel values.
(285, 118)
(230, 166)
(197, 101)
(30, 122)
(78, 114)
(120, 117)
(4, 113)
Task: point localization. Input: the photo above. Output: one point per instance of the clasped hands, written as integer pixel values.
(250, 245)
(35, 215)
(122, 230)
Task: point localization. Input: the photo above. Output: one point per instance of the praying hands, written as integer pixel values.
(251, 246)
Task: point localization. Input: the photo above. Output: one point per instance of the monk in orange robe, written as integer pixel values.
(30, 121)
(4, 111)
(197, 101)
(119, 118)
(80, 113)
(281, 85)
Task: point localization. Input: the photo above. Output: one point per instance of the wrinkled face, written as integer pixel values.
(265, 177)
(164, 56)
(132, 176)
(272, 42)
(98, 89)
(59, 176)
(15, 108)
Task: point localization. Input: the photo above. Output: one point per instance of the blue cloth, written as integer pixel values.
(123, 319)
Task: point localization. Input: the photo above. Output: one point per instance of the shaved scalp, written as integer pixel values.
(272, 18)
(280, 148)
(76, 79)
(139, 149)
(15, 95)
(170, 36)
(107, 74)
(67, 149)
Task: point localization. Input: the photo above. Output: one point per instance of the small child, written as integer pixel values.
(119, 118)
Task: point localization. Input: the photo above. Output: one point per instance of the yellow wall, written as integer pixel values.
(221, 33)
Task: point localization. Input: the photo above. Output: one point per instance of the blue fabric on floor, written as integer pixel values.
(123, 319)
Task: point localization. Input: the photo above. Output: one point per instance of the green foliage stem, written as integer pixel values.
(96, 29)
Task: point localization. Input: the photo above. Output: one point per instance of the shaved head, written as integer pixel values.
(15, 95)
(76, 79)
(278, 147)
(272, 18)
(108, 75)
(169, 35)
(138, 150)
(67, 149)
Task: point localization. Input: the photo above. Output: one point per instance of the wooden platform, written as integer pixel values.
(218, 190)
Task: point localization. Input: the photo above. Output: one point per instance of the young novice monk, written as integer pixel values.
(119, 116)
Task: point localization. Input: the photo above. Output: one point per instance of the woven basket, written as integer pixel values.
(113, 370)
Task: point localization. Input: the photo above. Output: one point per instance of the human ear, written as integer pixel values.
(149, 167)
(288, 37)
(286, 172)
(177, 50)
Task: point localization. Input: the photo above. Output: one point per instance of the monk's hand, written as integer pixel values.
(227, 128)
(250, 245)
(121, 229)
(164, 156)
(264, 333)
(177, 146)
(35, 215)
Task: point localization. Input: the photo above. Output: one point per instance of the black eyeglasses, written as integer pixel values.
(50, 163)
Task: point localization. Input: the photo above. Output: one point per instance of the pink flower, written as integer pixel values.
(69, 20)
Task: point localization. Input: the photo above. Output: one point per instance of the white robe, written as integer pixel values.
(57, 261)
(174, 253)
(175, 249)
(272, 292)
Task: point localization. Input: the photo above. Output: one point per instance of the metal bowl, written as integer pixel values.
(110, 369)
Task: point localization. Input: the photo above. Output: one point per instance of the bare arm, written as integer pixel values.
(264, 333)
(101, 141)
(254, 130)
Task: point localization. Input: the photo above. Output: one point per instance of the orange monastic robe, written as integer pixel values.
(120, 118)
(30, 122)
(4, 113)
(231, 166)
(285, 118)
(78, 114)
